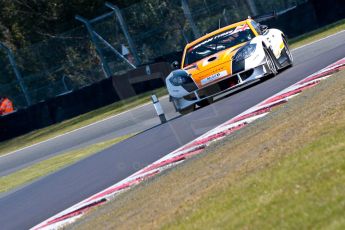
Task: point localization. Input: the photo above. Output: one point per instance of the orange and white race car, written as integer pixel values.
(224, 60)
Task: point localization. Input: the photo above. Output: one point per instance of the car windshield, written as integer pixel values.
(221, 41)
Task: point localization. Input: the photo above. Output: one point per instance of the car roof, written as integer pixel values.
(216, 32)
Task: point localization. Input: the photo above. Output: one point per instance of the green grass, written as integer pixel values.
(317, 34)
(52, 164)
(77, 122)
(297, 180)
(306, 190)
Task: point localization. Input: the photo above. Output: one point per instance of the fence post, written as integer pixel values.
(113, 49)
(124, 29)
(189, 17)
(17, 73)
(252, 7)
(105, 66)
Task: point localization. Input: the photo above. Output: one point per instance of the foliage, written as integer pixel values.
(24, 22)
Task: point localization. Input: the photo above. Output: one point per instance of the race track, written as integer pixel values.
(42, 199)
(132, 121)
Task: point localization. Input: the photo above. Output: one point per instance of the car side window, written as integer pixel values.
(256, 27)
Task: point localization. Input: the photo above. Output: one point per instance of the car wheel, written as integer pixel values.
(288, 53)
(205, 102)
(187, 110)
(270, 63)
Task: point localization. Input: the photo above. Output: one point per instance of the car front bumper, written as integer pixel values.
(228, 84)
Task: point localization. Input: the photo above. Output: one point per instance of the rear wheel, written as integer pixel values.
(288, 53)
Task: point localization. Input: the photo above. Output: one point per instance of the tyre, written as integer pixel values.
(187, 110)
(205, 102)
(288, 53)
(271, 63)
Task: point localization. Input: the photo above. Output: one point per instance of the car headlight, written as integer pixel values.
(245, 52)
(180, 77)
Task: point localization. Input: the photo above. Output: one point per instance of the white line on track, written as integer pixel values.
(140, 106)
(107, 118)
(321, 39)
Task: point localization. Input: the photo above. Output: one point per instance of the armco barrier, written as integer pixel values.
(308, 16)
(190, 149)
(142, 79)
(57, 109)
(83, 100)
(328, 11)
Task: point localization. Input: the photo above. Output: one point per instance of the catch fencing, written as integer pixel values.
(113, 43)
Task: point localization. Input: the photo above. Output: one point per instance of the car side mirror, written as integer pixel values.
(263, 29)
(175, 65)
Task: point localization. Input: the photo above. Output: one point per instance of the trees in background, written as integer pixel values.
(24, 22)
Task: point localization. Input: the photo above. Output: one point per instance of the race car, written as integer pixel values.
(225, 60)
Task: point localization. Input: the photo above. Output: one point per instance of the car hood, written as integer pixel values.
(212, 68)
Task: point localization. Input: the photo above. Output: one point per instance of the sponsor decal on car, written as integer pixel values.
(214, 77)
(221, 35)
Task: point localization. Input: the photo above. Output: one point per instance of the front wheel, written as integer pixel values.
(270, 63)
(205, 102)
(187, 110)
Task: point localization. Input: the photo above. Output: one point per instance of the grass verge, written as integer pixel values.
(118, 107)
(76, 122)
(317, 34)
(286, 171)
(52, 164)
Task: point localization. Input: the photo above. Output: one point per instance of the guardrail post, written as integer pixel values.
(17, 73)
(189, 17)
(124, 29)
(158, 108)
(105, 66)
